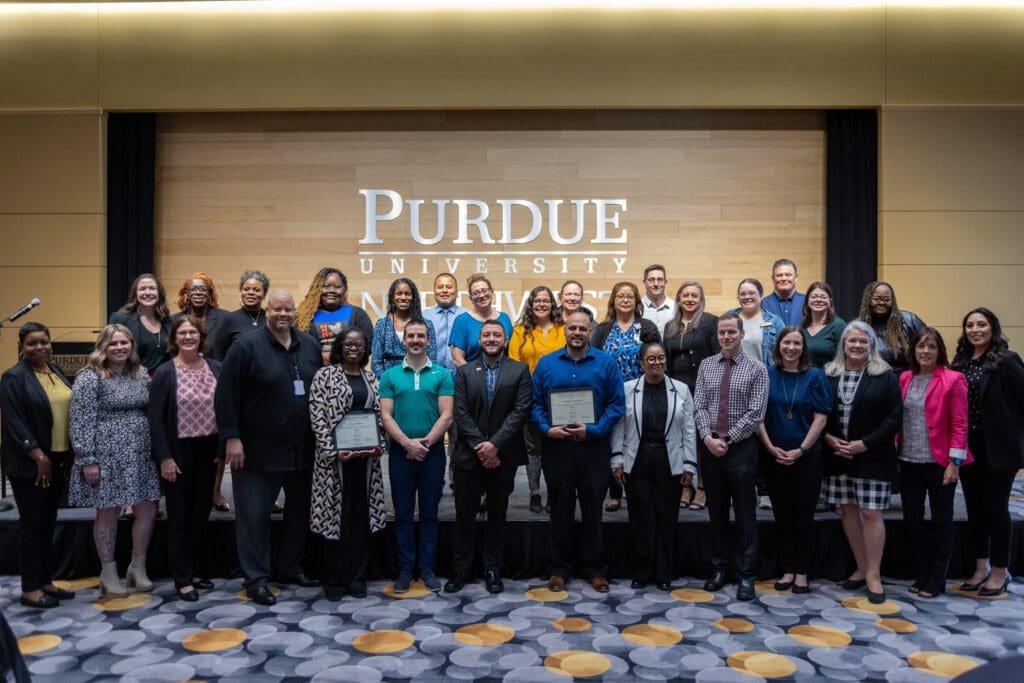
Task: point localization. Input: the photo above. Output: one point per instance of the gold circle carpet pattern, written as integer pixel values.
(523, 635)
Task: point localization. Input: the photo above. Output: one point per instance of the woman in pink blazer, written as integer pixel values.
(933, 446)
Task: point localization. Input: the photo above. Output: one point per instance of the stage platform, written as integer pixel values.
(526, 554)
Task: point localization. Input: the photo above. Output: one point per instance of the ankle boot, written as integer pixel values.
(136, 574)
(110, 582)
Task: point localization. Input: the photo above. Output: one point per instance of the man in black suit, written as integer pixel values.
(492, 403)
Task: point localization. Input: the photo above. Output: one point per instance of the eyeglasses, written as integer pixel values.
(198, 289)
(353, 345)
(625, 297)
(332, 288)
(656, 360)
(881, 300)
(187, 333)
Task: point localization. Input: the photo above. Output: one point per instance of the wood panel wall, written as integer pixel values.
(714, 196)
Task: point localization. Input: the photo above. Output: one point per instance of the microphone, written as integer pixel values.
(24, 310)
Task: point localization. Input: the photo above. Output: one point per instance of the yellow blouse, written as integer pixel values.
(537, 344)
(59, 395)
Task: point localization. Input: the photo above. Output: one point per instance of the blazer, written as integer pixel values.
(163, 411)
(680, 428)
(945, 414)
(215, 324)
(27, 419)
(502, 422)
(1002, 413)
(685, 352)
(648, 333)
(876, 418)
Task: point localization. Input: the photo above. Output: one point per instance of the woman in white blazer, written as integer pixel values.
(654, 455)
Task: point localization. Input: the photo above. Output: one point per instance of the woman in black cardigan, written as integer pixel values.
(34, 400)
(860, 463)
(995, 424)
(186, 448)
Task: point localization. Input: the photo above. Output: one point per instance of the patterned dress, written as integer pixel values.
(109, 428)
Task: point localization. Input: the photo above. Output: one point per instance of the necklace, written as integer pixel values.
(846, 391)
(254, 319)
(785, 393)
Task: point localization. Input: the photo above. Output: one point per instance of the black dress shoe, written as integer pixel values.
(853, 584)
(43, 602)
(637, 584)
(357, 589)
(300, 579)
(191, 596)
(60, 594)
(993, 592)
(783, 585)
(664, 586)
(801, 590)
(261, 595)
(493, 582)
(455, 584)
(715, 582)
(535, 504)
(968, 587)
(746, 591)
(203, 585)
(334, 593)
(876, 598)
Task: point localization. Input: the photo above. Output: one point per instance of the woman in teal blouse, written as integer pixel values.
(822, 329)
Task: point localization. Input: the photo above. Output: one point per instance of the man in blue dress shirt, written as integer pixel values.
(785, 301)
(442, 315)
(577, 457)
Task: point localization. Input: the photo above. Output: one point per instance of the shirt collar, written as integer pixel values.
(406, 366)
(650, 304)
(495, 365)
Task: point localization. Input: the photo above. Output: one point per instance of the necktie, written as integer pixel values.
(722, 424)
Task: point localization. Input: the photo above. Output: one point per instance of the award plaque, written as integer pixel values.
(357, 431)
(572, 406)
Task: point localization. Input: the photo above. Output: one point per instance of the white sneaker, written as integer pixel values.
(765, 503)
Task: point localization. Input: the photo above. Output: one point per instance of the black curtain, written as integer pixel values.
(851, 240)
(131, 178)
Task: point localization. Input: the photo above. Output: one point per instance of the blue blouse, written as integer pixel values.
(465, 334)
(388, 350)
(808, 393)
(624, 347)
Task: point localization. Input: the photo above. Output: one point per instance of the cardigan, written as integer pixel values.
(150, 355)
(877, 414)
(680, 428)
(945, 414)
(163, 410)
(27, 419)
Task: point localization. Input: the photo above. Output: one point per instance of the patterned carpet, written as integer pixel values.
(524, 634)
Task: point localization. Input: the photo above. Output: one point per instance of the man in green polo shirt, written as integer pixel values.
(416, 406)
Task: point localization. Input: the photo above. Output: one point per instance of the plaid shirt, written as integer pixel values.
(748, 395)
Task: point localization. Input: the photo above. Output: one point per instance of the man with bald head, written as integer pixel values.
(262, 406)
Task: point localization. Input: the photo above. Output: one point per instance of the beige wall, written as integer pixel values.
(280, 192)
(951, 213)
(52, 223)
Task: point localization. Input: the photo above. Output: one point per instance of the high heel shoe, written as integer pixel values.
(968, 587)
(993, 592)
(136, 574)
(110, 582)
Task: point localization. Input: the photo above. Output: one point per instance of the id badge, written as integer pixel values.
(300, 389)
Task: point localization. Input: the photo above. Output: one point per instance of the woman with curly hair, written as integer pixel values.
(539, 331)
(197, 297)
(403, 305)
(147, 318)
(995, 424)
(325, 310)
(893, 327)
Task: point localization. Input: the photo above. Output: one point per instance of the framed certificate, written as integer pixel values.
(357, 431)
(570, 406)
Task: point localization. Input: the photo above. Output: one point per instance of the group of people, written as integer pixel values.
(660, 401)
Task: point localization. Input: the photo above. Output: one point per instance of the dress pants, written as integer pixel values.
(188, 506)
(37, 518)
(534, 454)
(794, 490)
(929, 552)
(497, 483)
(731, 478)
(987, 495)
(412, 479)
(255, 492)
(346, 559)
(653, 513)
(576, 469)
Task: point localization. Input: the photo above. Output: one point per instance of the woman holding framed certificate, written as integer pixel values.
(348, 485)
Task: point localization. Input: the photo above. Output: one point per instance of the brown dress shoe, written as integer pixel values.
(600, 584)
(556, 584)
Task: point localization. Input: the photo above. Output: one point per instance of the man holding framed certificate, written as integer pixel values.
(577, 401)
(416, 410)
(493, 397)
